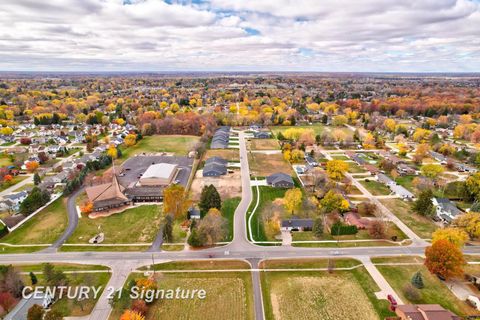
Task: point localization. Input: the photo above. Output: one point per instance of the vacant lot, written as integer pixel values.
(229, 296)
(263, 165)
(317, 128)
(229, 185)
(136, 225)
(376, 188)
(321, 295)
(435, 291)
(44, 228)
(422, 226)
(180, 145)
(264, 144)
(228, 154)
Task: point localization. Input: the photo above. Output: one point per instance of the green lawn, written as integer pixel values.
(422, 226)
(43, 228)
(435, 291)
(355, 168)
(135, 225)
(317, 128)
(308, 294)
(177, 144)
(228, 211)
(376, 188)
(267, 195)
(406, 181)
(4, 160)
(14, 181)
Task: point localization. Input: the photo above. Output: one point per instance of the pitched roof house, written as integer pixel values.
(280, 180)
(108, 195)
(424, 312)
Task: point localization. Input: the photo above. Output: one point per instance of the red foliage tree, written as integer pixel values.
(139, 306)
(7, 301)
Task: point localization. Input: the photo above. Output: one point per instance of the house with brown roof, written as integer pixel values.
(107, 196)
(424, 312)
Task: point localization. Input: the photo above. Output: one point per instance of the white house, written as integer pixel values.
(445, 210)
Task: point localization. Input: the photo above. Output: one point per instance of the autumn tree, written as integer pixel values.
(470, 222)
(132, 315)
(292, 199)
(86, 207)
(212, 228)
(432, 170)
(473, 185)
(368, 141)
(175, 200)
(7, 300)
(377, 229)
(112, 152)
(445, 259)
(139, 306)
(334, 201)
(421, 152)
(389, 124)
(32, 166)
(456, 236)
(130, 140)
(336, 169)
(339, 120)
(35, 313)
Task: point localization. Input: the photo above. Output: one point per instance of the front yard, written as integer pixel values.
(422, 226)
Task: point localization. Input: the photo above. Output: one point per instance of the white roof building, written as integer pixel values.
(158, 174)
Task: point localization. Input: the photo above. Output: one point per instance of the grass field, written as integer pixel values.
(44, 228)
(355, 168)
(14, 181)
(4, 160)
(376, 188)
(228, 211)
(262, 165)
(406, 182)
(317, 128)
(228, 154)
(435, 291)
(135, 225)
(180, 145)
(321, 295)
(229, 295)
(422, 226)
(71, 307)
(264, 144)
(267, 195)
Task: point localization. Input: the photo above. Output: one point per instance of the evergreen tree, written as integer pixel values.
(417, 280)
(318, 227)
(168, 228)
(210, 198)
(423, 205)
(33, 278)
(36, 179)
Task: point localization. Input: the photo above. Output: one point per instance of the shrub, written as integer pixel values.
(339, 229)
(417, 280)
(411, 293)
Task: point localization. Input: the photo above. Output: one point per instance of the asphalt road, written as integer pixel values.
(72, 220)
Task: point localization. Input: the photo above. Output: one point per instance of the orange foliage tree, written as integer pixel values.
(32, 166)
(444, 258)
(132, 315)
(86, 207)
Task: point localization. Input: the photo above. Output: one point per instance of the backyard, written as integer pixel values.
(376, 188)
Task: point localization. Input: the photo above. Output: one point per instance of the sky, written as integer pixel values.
(240, 35)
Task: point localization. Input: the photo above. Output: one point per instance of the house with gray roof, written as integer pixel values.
(296, 224)
(445, 209)
(215, 167)
(280, 180)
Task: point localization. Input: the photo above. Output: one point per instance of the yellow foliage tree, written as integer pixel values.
(175, 200)
(389, 124)
(368, 141)
(112, 152)
(130, 140)
(132, 315)
(292, 199)
(336, 169)
(456, 236)
(470, 222)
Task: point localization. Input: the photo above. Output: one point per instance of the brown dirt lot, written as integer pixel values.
(228, 154)
(263, 144)
(229, 185)
(262, 165)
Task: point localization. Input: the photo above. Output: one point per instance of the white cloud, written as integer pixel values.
(339, 35)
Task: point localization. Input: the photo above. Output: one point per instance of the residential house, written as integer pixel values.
(280, 180)
(445, 210)
(311, 161)
(439, 157)
(424, 312)
(296, 224)
(215, 167)
(262, 135)
(404, 169)
(16, 199)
